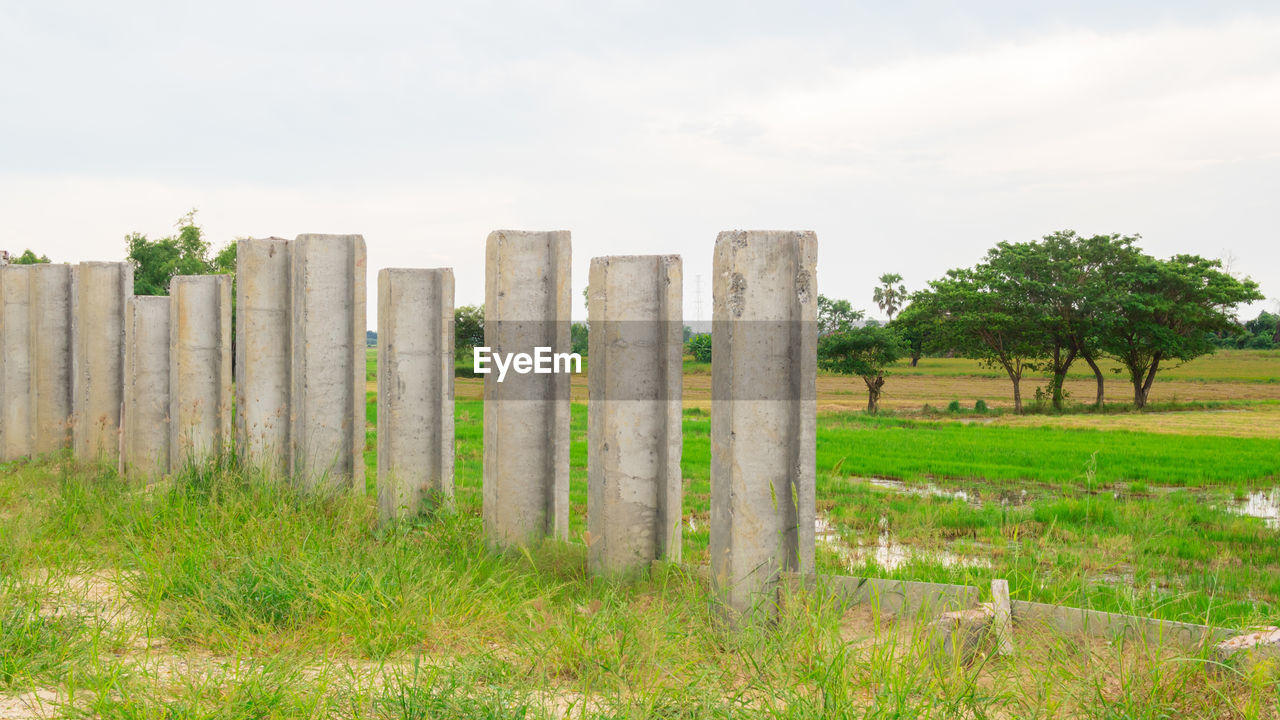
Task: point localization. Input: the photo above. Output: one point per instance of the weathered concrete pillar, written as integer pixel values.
(415, 390)
(199, 367)
(328, 361)
(51, 357)
(634, 436)
(145, 450)
(763, 412)
(98, 294)
(15, 352)
(262, 353)
(526, 416)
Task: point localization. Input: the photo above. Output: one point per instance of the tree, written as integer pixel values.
(915, 325)
(1062, 279)
(984, 316)
(863, 351)
(468, 329)
(1168, 310)
(699, 346)
(29, 258)
(890, 295)
(836, 315)
(579, 338)
(157, 262)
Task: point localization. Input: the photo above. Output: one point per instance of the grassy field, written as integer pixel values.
(220, 593)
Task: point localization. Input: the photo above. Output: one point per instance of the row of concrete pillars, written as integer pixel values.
(148, 380)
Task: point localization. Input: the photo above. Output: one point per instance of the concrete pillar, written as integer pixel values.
(262, 353)
(415, 390)
(327, 401)
(199, 367)
(15, 380)
(145, 450)
(763, 412)
(98, 294)
(526, 417)
(51, 357)
(634, 436)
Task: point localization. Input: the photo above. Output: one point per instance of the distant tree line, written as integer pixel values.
(1043, 305)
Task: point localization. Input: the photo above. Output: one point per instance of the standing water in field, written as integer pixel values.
(1263, 504)
(925, 490)
(885, 553)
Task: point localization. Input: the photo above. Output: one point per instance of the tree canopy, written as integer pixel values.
(863, 351)
(890, 294)
(157, 262)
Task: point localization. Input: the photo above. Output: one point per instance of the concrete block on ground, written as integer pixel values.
(262, 363)
(199, 367)
(1252, 652)
(327, 370)
(16, 440)
(961, 636)
(415, 390)
(98, 294)
(51, 357)
(145, 449)
(634, 412)
(763, 412)
(902, 598)
(526, 417)
(1115, 627)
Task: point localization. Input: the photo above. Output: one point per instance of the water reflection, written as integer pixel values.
(1264, 504)
(886, 553)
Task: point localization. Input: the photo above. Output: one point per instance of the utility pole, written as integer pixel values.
(697, 300)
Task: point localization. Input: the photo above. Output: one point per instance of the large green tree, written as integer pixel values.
(863, 351)
(1062, 280)
(1168, 310)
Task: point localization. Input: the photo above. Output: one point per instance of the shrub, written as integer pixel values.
(980, 406)
(953, 406)
(699, 346)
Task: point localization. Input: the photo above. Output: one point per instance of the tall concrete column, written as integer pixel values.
(15, 351)
(634, 434)
(327, 401)
(763, 412)
(262, 360)
(526, 416)
(415, 390)
(51, 357)
(145, 450)
(199, 367)
(98, 294)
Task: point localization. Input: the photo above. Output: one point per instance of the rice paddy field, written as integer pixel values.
(221, 593)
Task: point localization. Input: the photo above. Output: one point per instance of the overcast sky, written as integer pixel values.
(911, 136)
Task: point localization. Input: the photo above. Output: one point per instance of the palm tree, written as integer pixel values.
(891, 294)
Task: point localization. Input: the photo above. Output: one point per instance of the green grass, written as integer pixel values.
(905, 448)
(252, 601)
